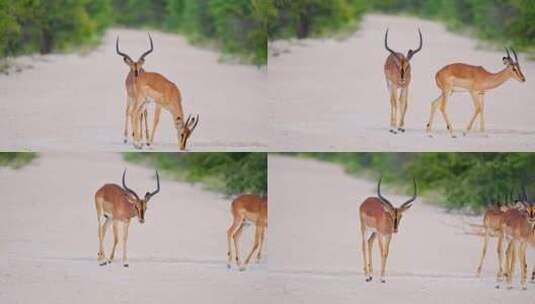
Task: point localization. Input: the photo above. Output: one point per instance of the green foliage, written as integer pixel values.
(304, 18)
(231, 173)
(507, 21)
(137, 13)
(463, 180)
(237, 27)
(45, 26)
(16, 159)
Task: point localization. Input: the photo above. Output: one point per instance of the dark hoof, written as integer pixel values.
(148, 144)
(228, 266)
(401, 130)
(497, 286)
(382, 281)
(103, 263)
(125, 265)
(368, 279)
(125, 140)
(393, 131)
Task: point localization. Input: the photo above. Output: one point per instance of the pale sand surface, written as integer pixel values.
(329, 94)
(48, 239)
(77, 102)
(316, 233)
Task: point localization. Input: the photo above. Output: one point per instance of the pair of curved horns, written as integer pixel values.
(142, 56)
(191, 122)
(387, 202)
(509, 54)
(411, 52)
(150, 194)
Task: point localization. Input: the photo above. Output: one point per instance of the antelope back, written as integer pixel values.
(252, 207)
(376, 215)
(398, 69)
(115, 201)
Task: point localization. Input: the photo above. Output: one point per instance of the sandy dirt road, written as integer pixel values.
(331, 94)
(48, 239)
(314, 208)
(77, 102)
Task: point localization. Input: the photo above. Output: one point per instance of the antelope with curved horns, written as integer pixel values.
(244, 208)
(150, 86)
(379, 219)
(136, 67)
(118, 205)
(477, 81)
(398, 76)
(519, 228)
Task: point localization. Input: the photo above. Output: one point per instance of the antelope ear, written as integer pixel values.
(405, 208)
(130, 198)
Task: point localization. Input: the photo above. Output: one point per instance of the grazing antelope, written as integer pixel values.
(244, 208)
(379, 219)
(116, 205)
(477, 81)
(398, 76)
(135, 69)
(150, 86)
(519, 229)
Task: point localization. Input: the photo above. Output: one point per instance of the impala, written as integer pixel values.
(150, 86)
(379, 219)
(477, 81)
(518, 228)
(250, 208)
(129, 83)
(118, 205)
(493, 221)
(398, 77)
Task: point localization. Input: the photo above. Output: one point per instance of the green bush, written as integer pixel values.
(304, 18)
(231, 173)
(506, 21)
(51, 25)
(462, 180)
(16, 159)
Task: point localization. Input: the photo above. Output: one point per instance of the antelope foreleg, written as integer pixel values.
(125, 242)
(523, 264)
(364, 251)
(259, 255)
(115, 239)
(369, 248)
(384, 244)
(477, 110)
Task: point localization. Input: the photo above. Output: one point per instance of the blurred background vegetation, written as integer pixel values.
(453, 180)
(16, 160)
(511, 22)
(233, 26)
(242, 27)
(231, 173)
